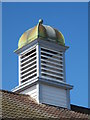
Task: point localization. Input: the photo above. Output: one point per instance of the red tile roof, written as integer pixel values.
(18, 107)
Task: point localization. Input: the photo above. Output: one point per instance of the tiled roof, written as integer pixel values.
(19, 107)
(80, 109)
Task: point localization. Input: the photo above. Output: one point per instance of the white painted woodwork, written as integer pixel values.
(32, 91)
(45, 62)
(41, 62)
(19, 72)
(52, 64)
(28, 65)
(38, 60)
(54, 96)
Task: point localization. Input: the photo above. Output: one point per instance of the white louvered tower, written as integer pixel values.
(41, 52)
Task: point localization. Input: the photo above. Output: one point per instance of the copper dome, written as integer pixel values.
(41, 31)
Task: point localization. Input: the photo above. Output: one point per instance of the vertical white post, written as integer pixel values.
(68, 99)
(38, 54)
(37, 92)
(19, 72)
(64, 69)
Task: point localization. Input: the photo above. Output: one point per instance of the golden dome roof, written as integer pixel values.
(41, 31)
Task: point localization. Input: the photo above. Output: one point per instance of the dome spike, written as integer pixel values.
(40, 21)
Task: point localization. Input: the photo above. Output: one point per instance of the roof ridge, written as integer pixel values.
(7, 91)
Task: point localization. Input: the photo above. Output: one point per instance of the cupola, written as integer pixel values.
(41, 53)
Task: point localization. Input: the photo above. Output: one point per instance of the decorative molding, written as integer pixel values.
(56, 83)
(26, 47)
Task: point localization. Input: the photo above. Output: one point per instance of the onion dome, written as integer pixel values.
(41, 31)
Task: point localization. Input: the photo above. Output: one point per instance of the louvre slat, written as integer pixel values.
(53, 66)
(55, 55)
(59, 52)
(52, 75)
(28, 76)
(50, 70)
(28, 68)
(53, 69)
(51, 78)
(24, 59)
(28, 64)
(23, 82)
(32, 49)
(28, 60)
(28, 72)
(47, 57)
(48, 61)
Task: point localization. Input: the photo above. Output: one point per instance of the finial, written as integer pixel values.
(40, 21)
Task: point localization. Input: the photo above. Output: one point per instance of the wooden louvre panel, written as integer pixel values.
(52, 64)
(28, 65)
